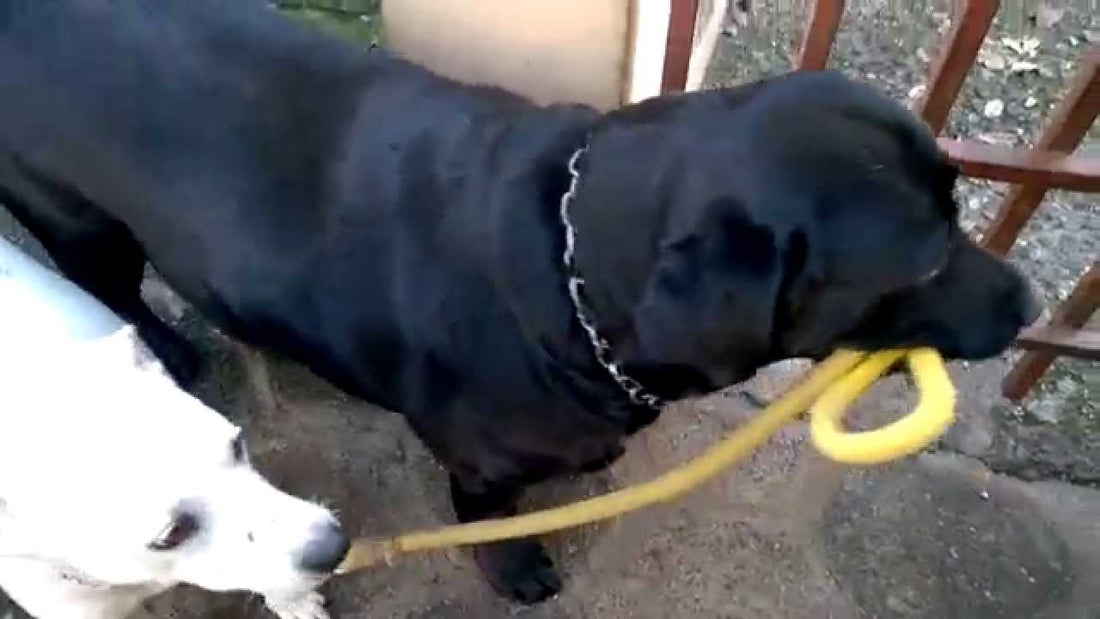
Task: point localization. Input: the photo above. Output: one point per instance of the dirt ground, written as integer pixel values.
(787, 535)
(998, 521)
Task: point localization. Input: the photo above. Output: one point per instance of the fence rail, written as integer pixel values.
(1052, 164)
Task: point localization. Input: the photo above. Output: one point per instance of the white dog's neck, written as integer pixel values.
(11, 542)
(47, 590)
(45, 587)
(17, 546)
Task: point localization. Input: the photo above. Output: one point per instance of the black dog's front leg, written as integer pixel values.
(519, 569)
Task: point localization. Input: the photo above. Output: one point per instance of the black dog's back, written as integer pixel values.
(196, 101)
(177, 119)
(187, 121)
(328, 202)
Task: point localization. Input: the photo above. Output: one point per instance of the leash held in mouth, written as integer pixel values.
(826, 392)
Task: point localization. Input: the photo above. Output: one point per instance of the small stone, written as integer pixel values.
(1047, 410)
(1066, 385)
(994, 108)
(1015, 45)
(1023, 66)
(918, 91)
(994, 61)
(1030, 102)
(1031, 46)
(1048, 15)
(896, 604)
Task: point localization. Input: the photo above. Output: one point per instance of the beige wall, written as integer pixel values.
(601, 52)
(549, 50)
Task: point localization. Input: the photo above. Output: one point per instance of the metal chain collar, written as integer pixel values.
(637, 393)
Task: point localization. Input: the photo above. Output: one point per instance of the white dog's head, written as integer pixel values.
(106, 465)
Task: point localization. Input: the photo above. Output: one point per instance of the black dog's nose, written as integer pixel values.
(1031, 307)
(325, 550)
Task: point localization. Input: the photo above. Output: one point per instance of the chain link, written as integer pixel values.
(637, 393)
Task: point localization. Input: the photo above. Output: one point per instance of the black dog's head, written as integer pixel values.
(786, 218)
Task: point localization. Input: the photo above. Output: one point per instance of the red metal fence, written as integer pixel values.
(1052, 164)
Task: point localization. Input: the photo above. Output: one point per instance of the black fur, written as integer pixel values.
(399, 232)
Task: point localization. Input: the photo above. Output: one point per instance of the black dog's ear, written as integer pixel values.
(710, 303)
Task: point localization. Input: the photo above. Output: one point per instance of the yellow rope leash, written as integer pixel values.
(827, 391)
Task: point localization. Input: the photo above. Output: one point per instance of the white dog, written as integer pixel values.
(116, 485)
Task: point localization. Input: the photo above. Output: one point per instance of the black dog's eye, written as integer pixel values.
(931, 275)
(935, 271)
(182, 528)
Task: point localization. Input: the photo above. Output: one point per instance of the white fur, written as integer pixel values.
(97, 448)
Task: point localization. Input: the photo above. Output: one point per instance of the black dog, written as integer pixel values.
(405, 236)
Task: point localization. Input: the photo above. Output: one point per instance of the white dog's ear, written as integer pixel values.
(125, 345)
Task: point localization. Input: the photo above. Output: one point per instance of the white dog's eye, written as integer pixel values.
(182, 528)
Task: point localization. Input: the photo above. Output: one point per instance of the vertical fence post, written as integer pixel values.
(1071, 122)
(681, 42)
(820, 34)
(956, 60)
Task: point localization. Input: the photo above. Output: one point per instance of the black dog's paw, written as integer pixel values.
(520, 570)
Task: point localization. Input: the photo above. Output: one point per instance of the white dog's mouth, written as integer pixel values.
(239, 532)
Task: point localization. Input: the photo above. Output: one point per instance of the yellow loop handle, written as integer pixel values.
(908, 435)
(841, 378)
